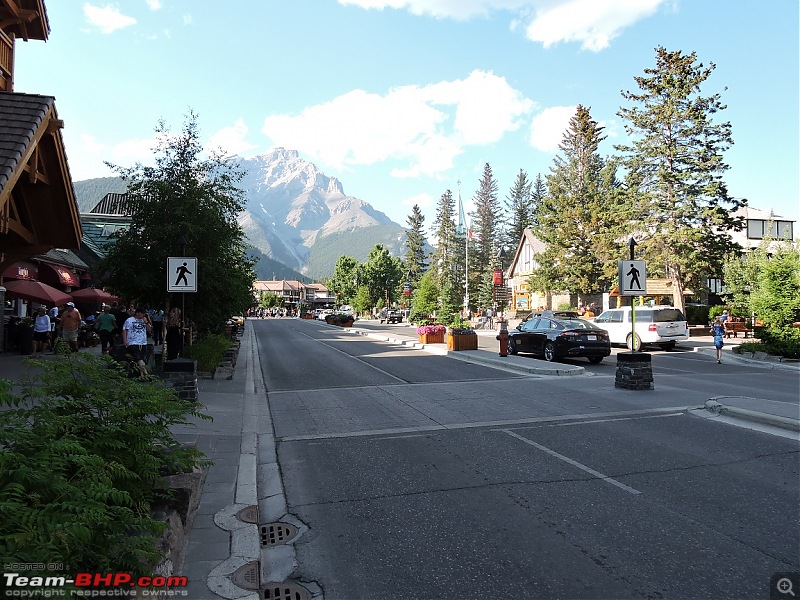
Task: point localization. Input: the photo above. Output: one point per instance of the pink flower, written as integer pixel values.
(429, 329)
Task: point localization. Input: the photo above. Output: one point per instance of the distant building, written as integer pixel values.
(761, 224)
(294, 293)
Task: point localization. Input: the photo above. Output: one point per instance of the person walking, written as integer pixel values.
(134, 337)
(106, 325)
(41, 331)
(157, 316)
(718, 331)
(173, 337)
(70, 326)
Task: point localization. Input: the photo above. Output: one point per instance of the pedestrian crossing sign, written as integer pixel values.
(632, 278)
(181, 274)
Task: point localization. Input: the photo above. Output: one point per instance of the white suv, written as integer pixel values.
(663, 326)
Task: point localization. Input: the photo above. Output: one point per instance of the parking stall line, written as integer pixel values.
(574, 463)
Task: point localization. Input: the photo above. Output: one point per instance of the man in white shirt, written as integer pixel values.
(134, 337)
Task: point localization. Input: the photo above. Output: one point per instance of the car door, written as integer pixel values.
(538, 337)
(521, 339)
(611, 321)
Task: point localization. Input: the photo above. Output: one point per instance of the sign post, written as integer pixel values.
(182, 277)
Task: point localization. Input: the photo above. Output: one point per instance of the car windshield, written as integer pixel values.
(578, 324)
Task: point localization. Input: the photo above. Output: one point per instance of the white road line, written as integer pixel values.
(574, 463)
(612, 420)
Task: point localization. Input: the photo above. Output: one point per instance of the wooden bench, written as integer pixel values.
(736, 327)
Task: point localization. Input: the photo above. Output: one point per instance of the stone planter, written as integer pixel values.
(462, 341)
(431, 338)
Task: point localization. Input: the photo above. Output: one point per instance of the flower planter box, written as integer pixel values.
(462, 341)
(431, 338)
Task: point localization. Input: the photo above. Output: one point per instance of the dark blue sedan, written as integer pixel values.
(555, 338)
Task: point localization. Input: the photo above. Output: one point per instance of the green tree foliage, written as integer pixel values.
(767, 285)
(184, 195)
(345, 279)
(538, 195)
(518, 205)
(383, 275)
(82, 453)
(416, 261)
(578, 220)
(447, 262)
(486, 222)
(683, 213)
(425, 298)
(270, 300)
(361, 302)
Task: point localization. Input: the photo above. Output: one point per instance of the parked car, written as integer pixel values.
(346, 309)
(322, 313)
(562, 314)
(658, 325)
(390, 316)
(557, 337)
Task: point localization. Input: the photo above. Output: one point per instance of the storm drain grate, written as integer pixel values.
(277, 533)
(286, 591)
(249, 514)
(247, 576)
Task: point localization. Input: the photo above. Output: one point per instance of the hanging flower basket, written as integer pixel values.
(431, 334)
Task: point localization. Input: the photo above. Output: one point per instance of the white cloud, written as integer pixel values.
(106, 18)
(232, 140)
(425, 127)
(154, 4)
(422, 200)
(593, 23)
(549, 126)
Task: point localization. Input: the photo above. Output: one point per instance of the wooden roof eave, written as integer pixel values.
(47, 134)
(26, 19)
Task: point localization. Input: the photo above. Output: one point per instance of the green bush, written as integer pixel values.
(209, 351)
(714, 311)
(82, 453)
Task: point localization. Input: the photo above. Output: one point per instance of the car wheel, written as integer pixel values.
(511, 348)
(595, 360)
(668, 346)
(549, 352)
(637, 346)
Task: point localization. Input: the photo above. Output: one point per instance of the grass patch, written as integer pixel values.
(787, 349)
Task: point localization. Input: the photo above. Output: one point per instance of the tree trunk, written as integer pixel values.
(677, 296)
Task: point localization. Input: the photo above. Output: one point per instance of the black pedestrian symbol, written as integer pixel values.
(634, 273)
(182, 271)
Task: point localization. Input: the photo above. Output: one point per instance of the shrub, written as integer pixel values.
(700, 315)
(81, 456)
(209, 351)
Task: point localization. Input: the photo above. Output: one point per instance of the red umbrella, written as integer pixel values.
(93, 295)
(28, 289)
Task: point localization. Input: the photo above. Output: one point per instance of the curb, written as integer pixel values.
(716, 407)
(729, 355)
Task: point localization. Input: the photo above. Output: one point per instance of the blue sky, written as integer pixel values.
(401, 99)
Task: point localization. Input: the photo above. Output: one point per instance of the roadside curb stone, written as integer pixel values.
(717, 407)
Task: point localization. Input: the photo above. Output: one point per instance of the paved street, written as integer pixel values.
(422, 476)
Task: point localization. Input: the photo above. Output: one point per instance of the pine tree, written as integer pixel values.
(486, 221)
(519, 210)
(445, 259)
(574, 221)
(675, 167)
(538, 194)
(416, 263)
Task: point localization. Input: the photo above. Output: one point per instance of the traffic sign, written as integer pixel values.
(632, 277)
(181, 274)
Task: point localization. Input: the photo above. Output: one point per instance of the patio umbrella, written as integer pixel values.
(28, 289)
(93, 295)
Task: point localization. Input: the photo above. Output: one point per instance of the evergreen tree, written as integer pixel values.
(675, 167)
(345, 280)
(445, 259)
(538, 194)
(486, 222)
(416, 262)
(184, 197)
(382, 276)
(575, 223)
(519, 210)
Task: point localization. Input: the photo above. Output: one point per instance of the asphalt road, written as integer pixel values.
(424, 477)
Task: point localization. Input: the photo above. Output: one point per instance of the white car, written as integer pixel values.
(346, 309)
(658, 325)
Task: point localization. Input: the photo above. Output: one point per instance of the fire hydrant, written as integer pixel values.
(503, 337)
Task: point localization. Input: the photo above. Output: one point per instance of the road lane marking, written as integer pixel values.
(609, 420)
(477, 424)
(574, 463)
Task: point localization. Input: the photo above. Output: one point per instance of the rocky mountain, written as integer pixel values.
(295, 214)
(292, 206)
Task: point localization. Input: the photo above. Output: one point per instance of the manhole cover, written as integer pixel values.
(285, 591)
(277, 533)
(249, 514)
(246, 576)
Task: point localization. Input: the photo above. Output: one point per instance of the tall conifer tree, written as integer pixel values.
(416, 263)
(486, 225)
(519, 210)
(675, 167)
